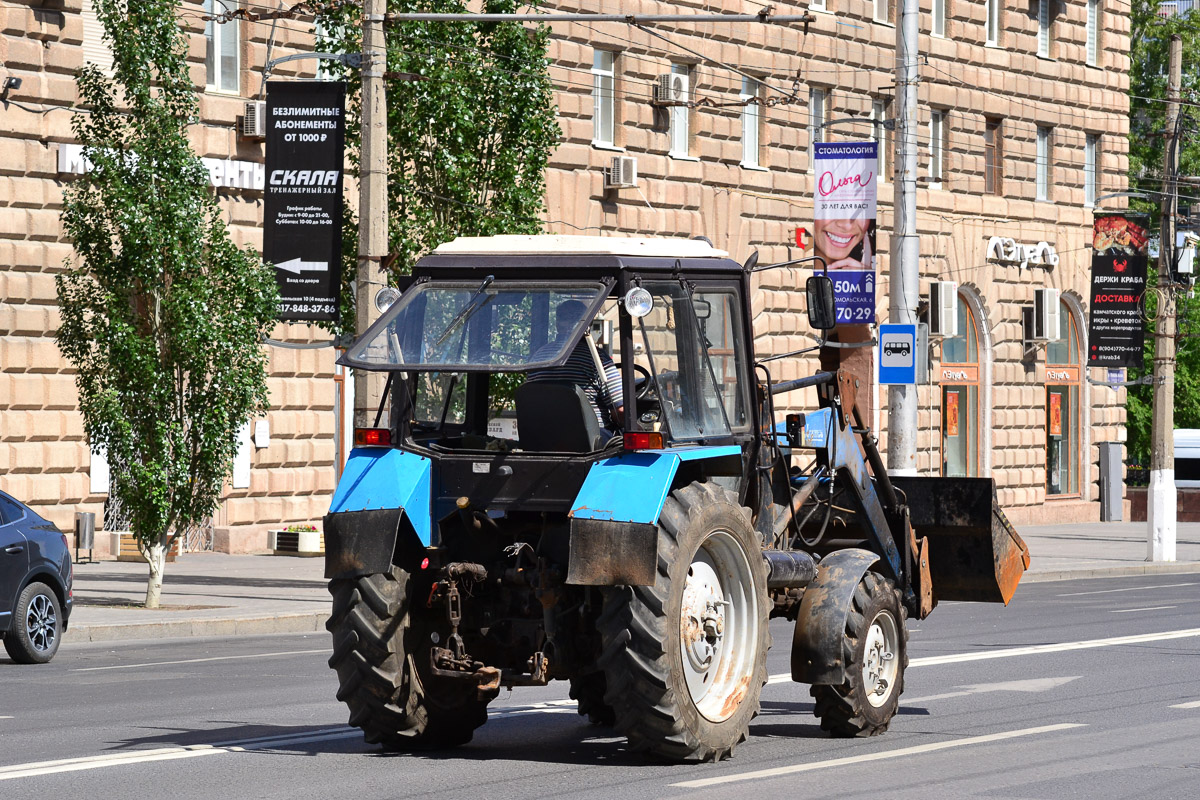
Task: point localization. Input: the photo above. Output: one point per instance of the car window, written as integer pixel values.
(10, 511)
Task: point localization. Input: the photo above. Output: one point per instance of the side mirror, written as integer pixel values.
(821, 312)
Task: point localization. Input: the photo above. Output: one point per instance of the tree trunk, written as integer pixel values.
(156, 557)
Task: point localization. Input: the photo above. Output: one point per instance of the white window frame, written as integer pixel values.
(751, 124)
(1091, 174)
(937, 147)
(96, 49)
(1093, 33)
(937, 25)
(216, 37)
(604, 82)
(817, 5)
(679, 132)
(882, 11)
(879, 108)
(991, 23)
(1043, 34)
(818, 105)
(1045, 144)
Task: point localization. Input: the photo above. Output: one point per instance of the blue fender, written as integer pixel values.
(377, 478)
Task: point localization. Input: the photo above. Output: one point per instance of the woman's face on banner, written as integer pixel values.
(835, 238)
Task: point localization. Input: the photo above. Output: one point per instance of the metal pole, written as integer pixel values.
(1160, 505)
(906, 246)
(373, 209)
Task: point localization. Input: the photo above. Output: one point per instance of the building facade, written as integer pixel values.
(1022, 135)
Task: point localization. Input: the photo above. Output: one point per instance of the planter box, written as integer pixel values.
(125, 548)
(296, 543)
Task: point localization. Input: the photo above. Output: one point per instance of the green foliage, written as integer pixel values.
(468, 144)
(162, 315)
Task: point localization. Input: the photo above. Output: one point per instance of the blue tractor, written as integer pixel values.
(637, 552)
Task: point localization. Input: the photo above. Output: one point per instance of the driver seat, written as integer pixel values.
(556, 417)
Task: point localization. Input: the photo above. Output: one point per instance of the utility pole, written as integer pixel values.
(904, 273)
(1160, 505)
(373, 210)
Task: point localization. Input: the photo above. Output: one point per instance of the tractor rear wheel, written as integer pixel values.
(588, 691)
(381, 645)
(875, 652)
(685, 658)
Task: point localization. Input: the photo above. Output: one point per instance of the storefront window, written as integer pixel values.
(1062, 408)
(960, 397)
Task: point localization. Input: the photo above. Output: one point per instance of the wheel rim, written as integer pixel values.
(718, 628)
(880, 664)
(41, 623)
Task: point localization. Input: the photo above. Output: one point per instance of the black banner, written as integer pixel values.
(1116, 329)
(302, 226)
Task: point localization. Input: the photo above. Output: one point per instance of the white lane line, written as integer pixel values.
(1131, 610)
(984, 655)
(204, 660)
(867, 757)
(5, 717)
(1193, 704)
(1127, 589)
(170, 753)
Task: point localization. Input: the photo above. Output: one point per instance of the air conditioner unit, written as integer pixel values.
(1046, 308)
(671, 88)
(254, 122)
(943, 308)
(622, 172)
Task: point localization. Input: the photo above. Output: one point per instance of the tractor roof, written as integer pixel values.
(514, 245)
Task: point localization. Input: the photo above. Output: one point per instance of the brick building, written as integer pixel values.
(1023, 125)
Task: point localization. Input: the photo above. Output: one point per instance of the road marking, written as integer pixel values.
(1193, 704)
(1033, 650)
(204, 660)
(171, 753)
(867, 757)
(1032, 685)
(1127, 589)
(1151, 608)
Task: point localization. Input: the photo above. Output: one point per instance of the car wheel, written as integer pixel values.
(37, 626)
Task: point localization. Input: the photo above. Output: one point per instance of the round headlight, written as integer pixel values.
(385, 297)
(638, 302)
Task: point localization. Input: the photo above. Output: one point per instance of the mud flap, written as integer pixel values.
(607, 553)
(974, 553)
(821, 623)
(361, 542)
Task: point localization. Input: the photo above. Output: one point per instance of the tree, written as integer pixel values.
(1149, 44)
(163, 316)
(469, 138)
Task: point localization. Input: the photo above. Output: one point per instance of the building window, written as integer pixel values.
(938, 27)
(1043, 36)
(883, 11)
(960, 397)
(937, 147)
(817, 5)
(818, 108)
(992, 23)
(880, 107)
(1093, 32)
(95, 49)
(603, 85)
(221, 48)
(679, 115)
(1091, 147)
(993, 157)
(1062, 408)
(751, 120)
(1044, 144)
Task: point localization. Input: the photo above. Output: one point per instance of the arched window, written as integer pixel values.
(960, 397)
(1062, 407)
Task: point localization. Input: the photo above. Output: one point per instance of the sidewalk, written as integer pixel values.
(211, 594)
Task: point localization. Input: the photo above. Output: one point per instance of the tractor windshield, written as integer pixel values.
(473, 326)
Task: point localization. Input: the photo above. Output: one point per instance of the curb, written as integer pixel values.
(310, 622)
(1132, 570)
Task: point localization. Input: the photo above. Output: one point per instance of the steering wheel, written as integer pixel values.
(643, 384)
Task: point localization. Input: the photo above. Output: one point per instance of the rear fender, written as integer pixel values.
(821, 623)
(614, 519)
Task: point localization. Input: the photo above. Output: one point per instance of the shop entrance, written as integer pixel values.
(960, 397)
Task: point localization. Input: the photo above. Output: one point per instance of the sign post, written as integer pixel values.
(302, 225)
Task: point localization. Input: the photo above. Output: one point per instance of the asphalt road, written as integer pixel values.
(1087, 688)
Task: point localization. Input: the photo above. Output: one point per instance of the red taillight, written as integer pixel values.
(372, 437)
(644, 440)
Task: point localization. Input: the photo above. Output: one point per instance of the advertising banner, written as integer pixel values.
(1115, 322)
(844, 224)
(302, 220)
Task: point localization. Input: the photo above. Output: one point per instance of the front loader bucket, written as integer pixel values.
(975, 554)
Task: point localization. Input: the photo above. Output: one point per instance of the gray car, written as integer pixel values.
(35, 583)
